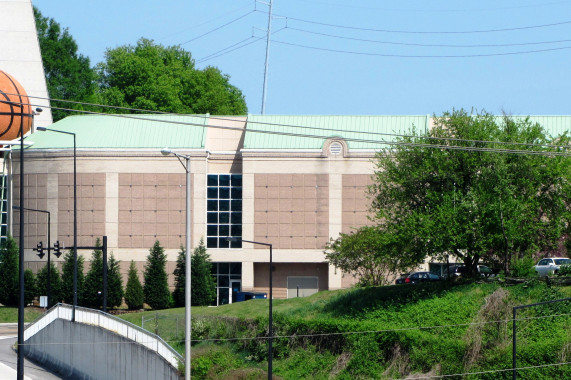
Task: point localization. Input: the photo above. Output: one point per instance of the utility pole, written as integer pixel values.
(269, 32)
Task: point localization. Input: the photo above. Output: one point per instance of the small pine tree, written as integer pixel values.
(114, 283)
(179, 278)
(9, 281)
(67, 278)
(93, 284)
(29, 286)
(55, 282)
(203, 287)
(156, 288)
(134, 297)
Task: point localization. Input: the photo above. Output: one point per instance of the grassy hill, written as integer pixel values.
(407, 331)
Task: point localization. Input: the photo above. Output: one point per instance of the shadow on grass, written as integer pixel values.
(359, 299)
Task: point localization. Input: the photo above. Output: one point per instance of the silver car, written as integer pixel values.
(550, 265)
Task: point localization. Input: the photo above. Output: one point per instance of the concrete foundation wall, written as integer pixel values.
(80, 351)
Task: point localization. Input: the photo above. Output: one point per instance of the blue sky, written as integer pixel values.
(359, 57)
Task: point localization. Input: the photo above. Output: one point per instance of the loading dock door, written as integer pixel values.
(302, 286)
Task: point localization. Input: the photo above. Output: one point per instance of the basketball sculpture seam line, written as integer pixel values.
(15, 108)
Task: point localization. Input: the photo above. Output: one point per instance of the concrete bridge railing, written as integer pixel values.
(80, 339)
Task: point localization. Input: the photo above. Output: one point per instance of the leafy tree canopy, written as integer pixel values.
(444, 193)
(370, 253)
(69, 75)
(154, 77)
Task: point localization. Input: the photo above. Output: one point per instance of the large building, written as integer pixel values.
(291, 181)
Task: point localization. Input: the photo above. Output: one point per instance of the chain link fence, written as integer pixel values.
(167, 326)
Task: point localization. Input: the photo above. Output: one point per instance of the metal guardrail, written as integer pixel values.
(109, 322)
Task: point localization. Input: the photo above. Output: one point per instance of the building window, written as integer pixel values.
(224, 210)
(228, 277)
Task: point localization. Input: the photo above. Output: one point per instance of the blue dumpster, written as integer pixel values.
(244, 296)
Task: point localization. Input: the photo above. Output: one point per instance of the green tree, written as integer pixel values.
(179, 279)
(154, 77)
(55, 283)
(114, 283)
(30, 290)
(156, 288)
(9, 282)
(444, 193)
(203, 286)
(134, 297)
(93, 284)
(67, 278)
(370, 253)
(68, 73)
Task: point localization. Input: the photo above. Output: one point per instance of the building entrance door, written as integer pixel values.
(236, 287)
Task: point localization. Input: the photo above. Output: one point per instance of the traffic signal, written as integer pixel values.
(58, 249)
(40, 249)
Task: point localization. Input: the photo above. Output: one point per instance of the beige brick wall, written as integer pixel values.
(35, 197)
(90, 208)
(355, 201)
(292, 210)
(152, 207)
(281, 273)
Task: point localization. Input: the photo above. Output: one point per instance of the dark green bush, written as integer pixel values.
(522, 267)
(156, 288)
(29, 286)
(9, 282)
(134, 297)
(67, 273)
(564, 270)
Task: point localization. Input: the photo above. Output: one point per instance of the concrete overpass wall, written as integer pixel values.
(80, 351)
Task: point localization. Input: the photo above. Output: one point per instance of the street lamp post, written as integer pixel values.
(271, 325)
(74, 216)
(187, 293)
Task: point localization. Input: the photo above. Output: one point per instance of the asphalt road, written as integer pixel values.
(9, 358)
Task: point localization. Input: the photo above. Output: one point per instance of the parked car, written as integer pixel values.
(401, 279)
(551, 264)
(417, 277)
(460, 270)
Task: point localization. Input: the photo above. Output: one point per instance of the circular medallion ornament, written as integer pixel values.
(15, 109)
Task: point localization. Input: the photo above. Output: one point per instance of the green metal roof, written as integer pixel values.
(553, 125)
(310, 132)
(125, 132)
(271, 132)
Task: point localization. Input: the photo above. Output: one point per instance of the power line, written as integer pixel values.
(422, 56)
(204, 23)
(342, 333)
(435, 10)
(305, 127)
(325, 137)
(527, 27)
(218, 28)
(426, 45)
(493, 371)
(229, 49)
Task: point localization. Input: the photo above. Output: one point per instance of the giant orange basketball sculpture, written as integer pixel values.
(15, 109)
